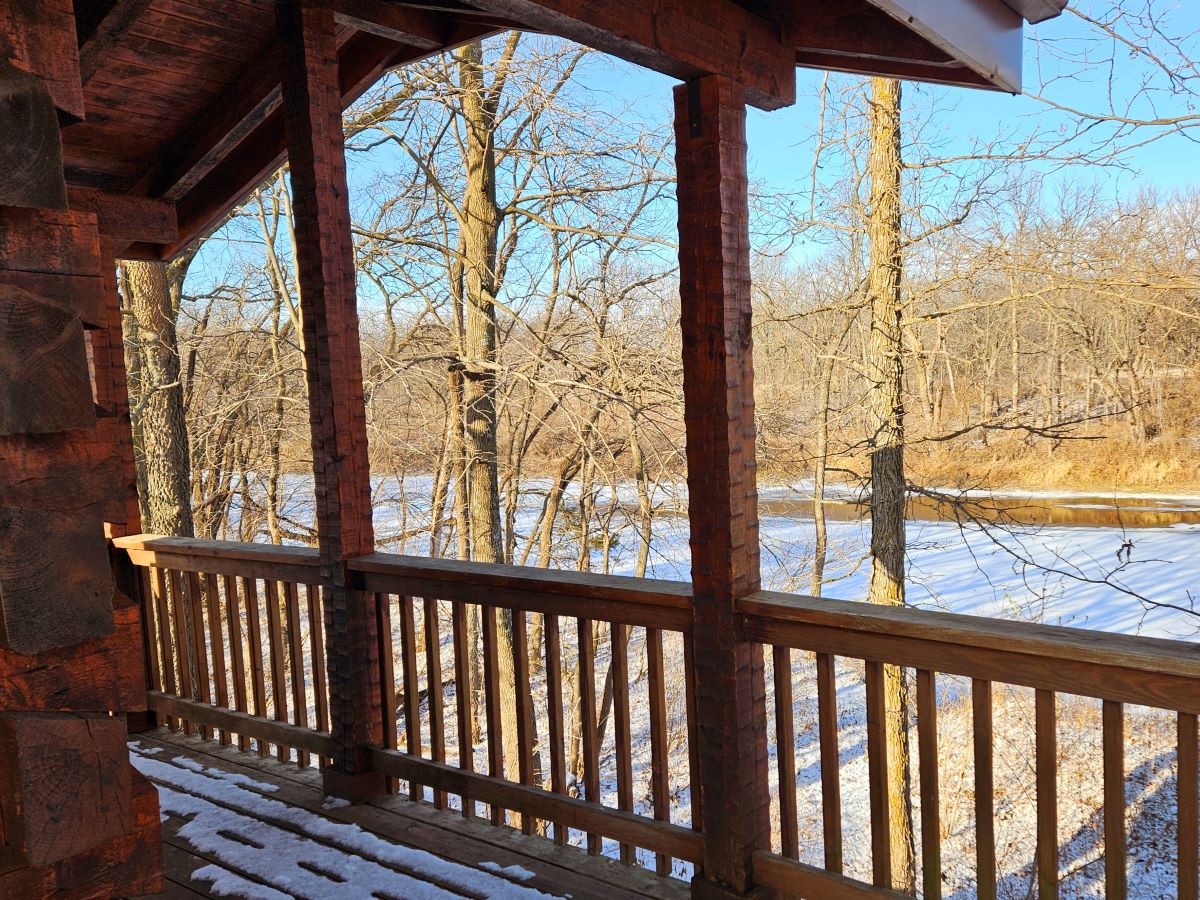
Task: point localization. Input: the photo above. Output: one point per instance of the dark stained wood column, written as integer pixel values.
(333, 366)
(718, 388)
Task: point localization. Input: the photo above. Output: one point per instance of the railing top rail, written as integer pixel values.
(1056, 642)
(622, 588)
(296, 556)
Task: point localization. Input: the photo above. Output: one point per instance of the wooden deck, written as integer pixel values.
(309, 848)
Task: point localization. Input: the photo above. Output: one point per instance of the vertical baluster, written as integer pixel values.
(1046, 751)
(1114, 800)
(491, 703)
(278, 676)
(831, 763)
(524, 708)
(985, 827)
(182, 644)
(150, 626)
(316, 634)
(785, 752)
(587, 722)
(622, 727)
(162, 603)
(877, 776)
(195, 605)
(291, 594)
(689, 687)
(237, 657)
(258, 680)
(927, 746)
(660, 789)
(433, 676)
(412, 689)
(216, 641)
(462, 697)
(387, 676)
(554, 704)
(1188, 788)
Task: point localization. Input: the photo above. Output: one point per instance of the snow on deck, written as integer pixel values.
(235, 831)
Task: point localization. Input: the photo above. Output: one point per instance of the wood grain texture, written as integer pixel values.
(718, 388)
(103, 673)
(44, 801)
(45, 381)
(312, 111)
(56, 586)
(39, 37)
(685, 40)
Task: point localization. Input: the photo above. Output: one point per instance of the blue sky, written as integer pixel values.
(779, 141)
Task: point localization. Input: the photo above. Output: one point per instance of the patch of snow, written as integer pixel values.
(334, 803)
(517, 873)
(224, 883)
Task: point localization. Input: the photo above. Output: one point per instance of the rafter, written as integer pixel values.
(93, 49)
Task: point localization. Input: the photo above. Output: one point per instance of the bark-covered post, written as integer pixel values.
(333, 367)
(718, 389)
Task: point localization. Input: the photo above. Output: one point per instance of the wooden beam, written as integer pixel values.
(122, 218)
(414, 27)
(312, 108)
(685, 40)
(94, 49)
(718, 392)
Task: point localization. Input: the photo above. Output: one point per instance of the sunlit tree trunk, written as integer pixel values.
(886, 373)
(165, 471)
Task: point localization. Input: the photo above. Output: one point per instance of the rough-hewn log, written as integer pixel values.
(130, 865)
(312, 106)
(685, 40)
(45, 384)
(56, 587)
(30, 144)
(99, 674)
(50, 812)
(39, 36)
(49, 241)
(718, 388)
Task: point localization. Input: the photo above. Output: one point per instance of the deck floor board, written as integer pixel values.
(472, 844)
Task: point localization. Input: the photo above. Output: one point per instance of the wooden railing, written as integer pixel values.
(985, 653)
(235, 651)
(225, 660)
(235, 642)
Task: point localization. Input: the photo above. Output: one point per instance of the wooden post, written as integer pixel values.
(718, 389)
(333, 366)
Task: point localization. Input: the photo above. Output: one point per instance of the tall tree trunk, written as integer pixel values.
(820, 550)
(886, 372)
(480, 226)
(165, 492)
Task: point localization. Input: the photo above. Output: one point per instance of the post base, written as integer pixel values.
(357, 787)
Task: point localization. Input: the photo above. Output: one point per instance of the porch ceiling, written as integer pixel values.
(181, 97)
